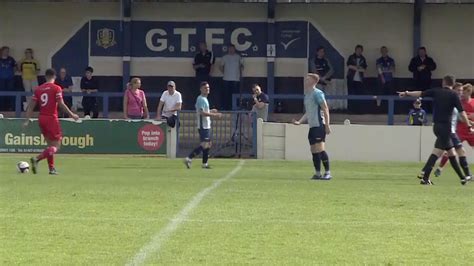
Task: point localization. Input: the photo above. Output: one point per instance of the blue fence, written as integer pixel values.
(106, 96)
(389, 98)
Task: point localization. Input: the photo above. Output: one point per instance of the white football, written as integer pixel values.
(23, 167)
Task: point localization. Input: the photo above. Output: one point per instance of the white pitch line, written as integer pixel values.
(157, 241)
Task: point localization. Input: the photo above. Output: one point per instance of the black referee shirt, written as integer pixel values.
(207, 59)
(444, 102)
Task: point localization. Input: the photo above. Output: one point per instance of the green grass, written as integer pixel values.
(102, 210)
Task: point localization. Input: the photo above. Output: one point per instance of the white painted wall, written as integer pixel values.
(171, 142)
(2, 14)
(350, 143)
(448, 34)
(46, 27)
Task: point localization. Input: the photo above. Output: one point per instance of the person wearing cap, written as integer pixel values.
(170, 103)
(417, 116)
(134, 101)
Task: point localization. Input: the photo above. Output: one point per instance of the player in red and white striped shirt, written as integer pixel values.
(48, 97)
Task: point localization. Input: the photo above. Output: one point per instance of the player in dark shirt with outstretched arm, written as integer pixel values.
(444, 102)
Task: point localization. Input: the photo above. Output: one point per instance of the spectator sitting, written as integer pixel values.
(90, 84)
(134, 101)
(170, 103)
(29, 69)
(65, 82)
(260, 101)
(7, 77)
(417, 116)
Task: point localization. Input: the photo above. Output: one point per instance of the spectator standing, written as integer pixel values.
(202, 64)
(134, 101)
(170, 103)
(260, 102)
(7, 76)
(232, 67)
(90, 84)
(320, 65)
(421, 66)
(385, 69)
(417, 116)
(65, 82)
(29, 69)
(355, 78)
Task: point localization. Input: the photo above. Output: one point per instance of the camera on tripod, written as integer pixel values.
(245, 105)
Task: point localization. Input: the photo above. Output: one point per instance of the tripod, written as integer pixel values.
(237, 138)
(237, 134)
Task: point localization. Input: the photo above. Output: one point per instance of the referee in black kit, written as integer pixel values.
(444, 102)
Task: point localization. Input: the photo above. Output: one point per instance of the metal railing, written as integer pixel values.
(106, 96)
(391, 99)
(232, 135)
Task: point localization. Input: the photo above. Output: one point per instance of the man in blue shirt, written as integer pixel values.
(317, 115)
(385, 68)
(7, 76)
(203, 117)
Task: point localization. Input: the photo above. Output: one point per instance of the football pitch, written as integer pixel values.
(119, 210)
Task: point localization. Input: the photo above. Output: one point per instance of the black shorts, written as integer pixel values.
(442, 132)
(457, 143)
(204, 135)
(316, 135)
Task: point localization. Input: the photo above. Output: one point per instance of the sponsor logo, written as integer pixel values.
(151, 137)
(27, 140)
(286, 45)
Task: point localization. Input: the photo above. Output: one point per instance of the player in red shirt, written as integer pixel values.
(462, 130)
(48, 97)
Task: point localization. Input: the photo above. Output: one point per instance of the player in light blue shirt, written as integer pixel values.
(203, 117)
(317, 115)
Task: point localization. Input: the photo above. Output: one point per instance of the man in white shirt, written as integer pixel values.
(170, 103)
(232, 67)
